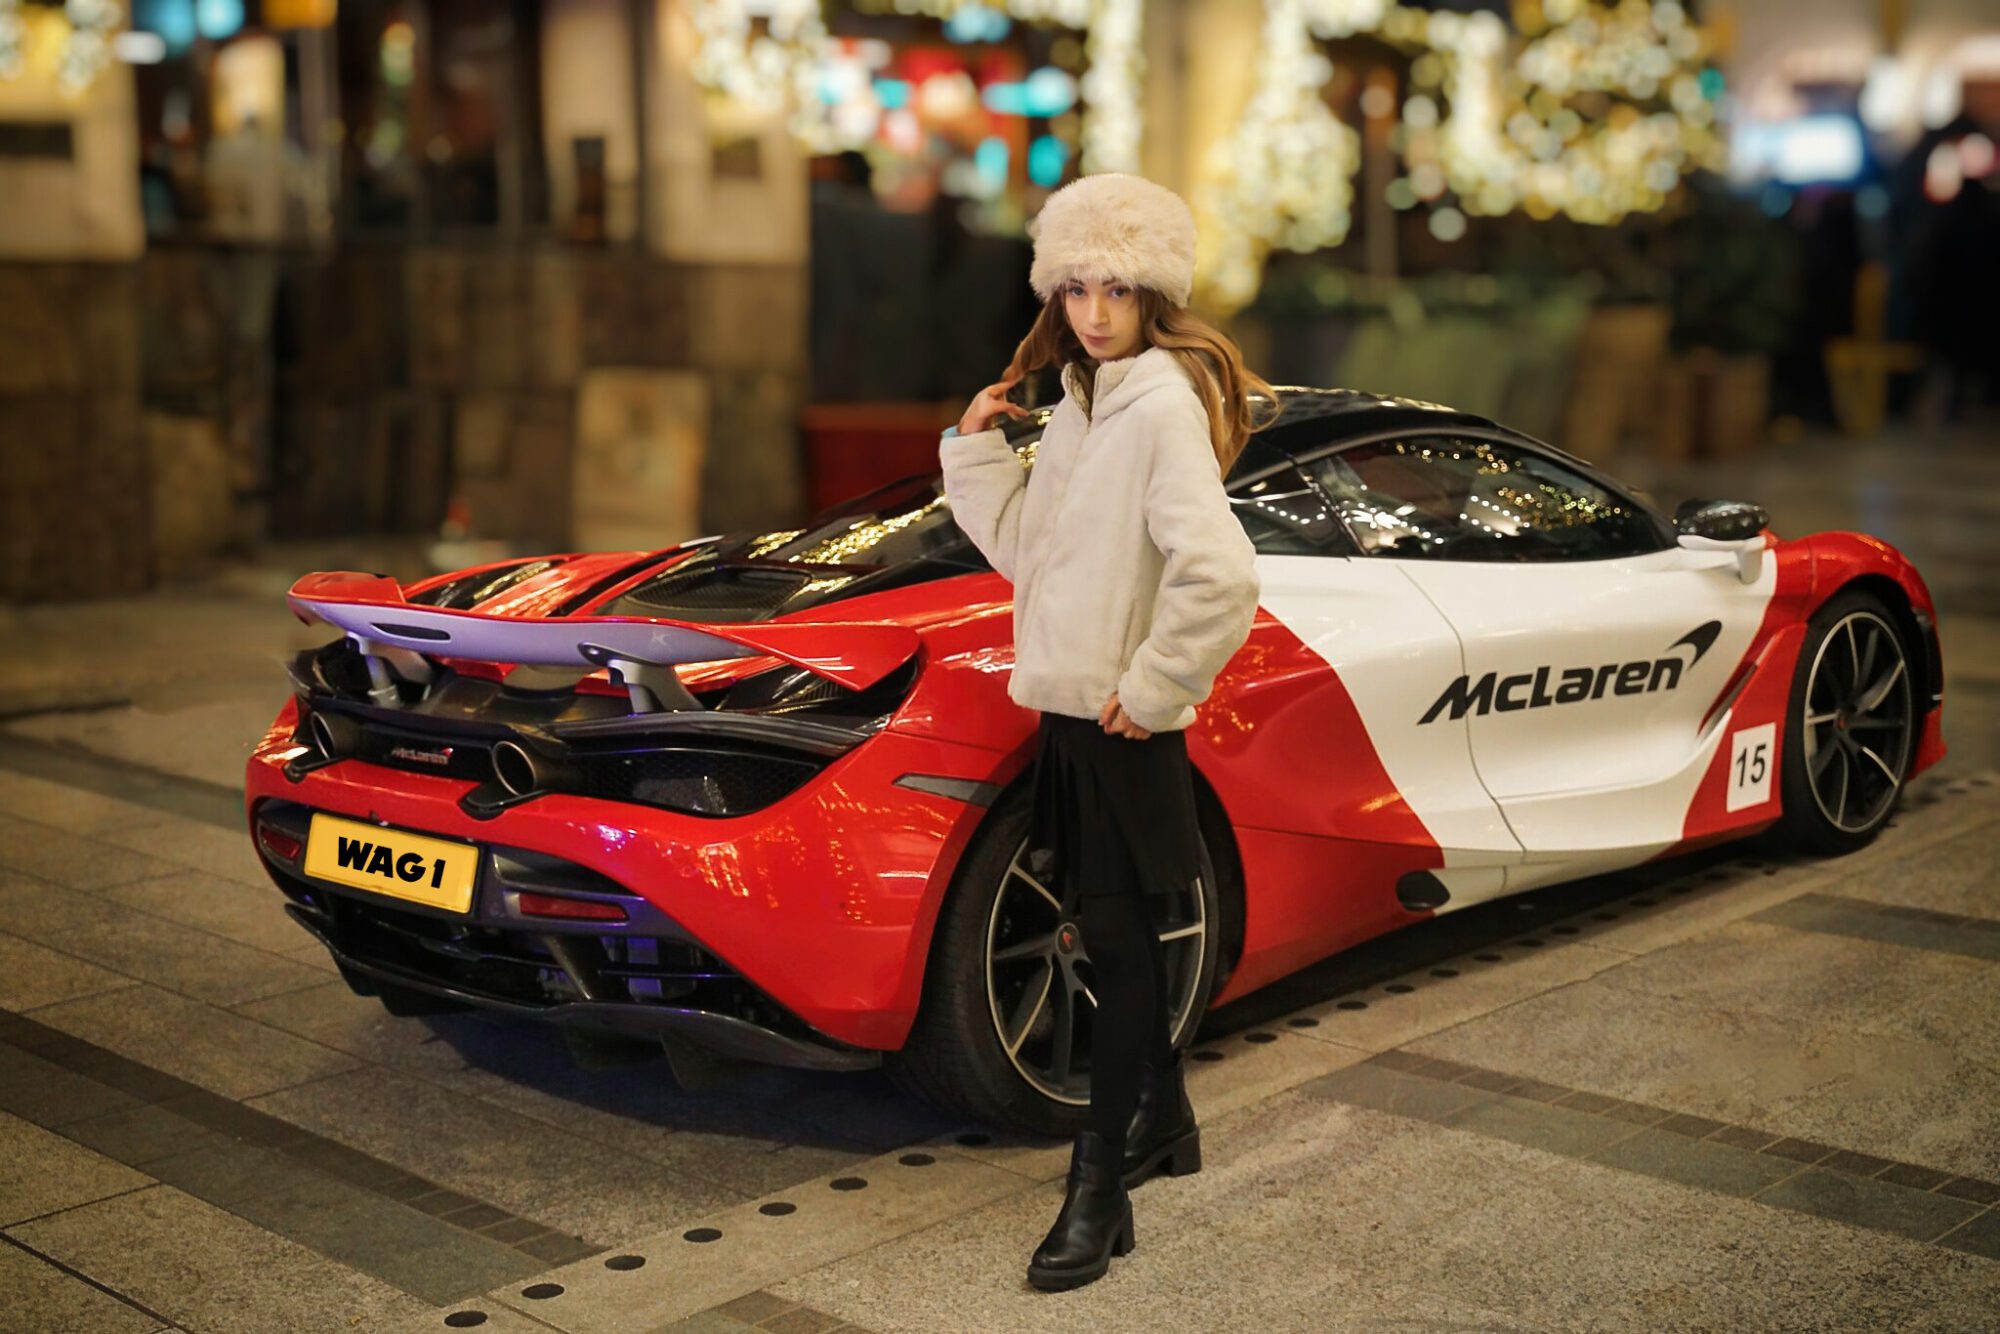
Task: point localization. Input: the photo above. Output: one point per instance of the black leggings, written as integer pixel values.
(1128, 965)
(1118, 814)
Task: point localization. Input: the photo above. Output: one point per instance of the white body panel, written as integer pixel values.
(1388, 644)
(1604, 778)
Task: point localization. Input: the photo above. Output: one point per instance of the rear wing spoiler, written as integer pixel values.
(639, 652)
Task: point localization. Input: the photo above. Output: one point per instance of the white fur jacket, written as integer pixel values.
(1130, 571)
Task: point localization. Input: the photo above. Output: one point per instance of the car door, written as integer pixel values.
(1593, 644)
(1343, 761)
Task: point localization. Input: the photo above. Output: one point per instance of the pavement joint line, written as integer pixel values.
(85, 704)
(124, 983)
(1888, 924)
(157, 1093)
(239, 1006)
(135, 910)
(480, 1305)
(1895, 1182)
(148, 1184)
(82, 1277)
(124, 780)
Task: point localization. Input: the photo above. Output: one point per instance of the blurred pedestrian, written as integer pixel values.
(1957, 279)
(1133, 586)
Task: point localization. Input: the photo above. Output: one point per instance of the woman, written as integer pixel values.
(1133, 585)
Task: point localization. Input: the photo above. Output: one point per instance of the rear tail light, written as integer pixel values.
(280, 845)
(573, 910)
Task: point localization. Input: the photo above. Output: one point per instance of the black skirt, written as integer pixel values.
(1112, 814)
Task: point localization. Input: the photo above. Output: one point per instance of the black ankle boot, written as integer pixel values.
(1094, 1225)
(1163, 1135)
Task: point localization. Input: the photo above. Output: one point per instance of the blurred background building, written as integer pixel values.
(613, 273)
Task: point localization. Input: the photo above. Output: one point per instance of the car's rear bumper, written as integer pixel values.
(797, 934)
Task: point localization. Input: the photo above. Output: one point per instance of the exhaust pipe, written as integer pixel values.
(522, 771)
(332, 735)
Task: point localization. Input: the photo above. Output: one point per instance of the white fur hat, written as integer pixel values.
(1114, 225)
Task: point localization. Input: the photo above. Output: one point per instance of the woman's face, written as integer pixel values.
(1105, 315)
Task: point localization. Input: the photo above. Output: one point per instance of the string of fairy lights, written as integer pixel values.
(74, 43)
(1285, 177)
(1588, 109)
(776, 66)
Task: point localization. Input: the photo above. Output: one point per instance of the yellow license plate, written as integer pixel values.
(430, 871)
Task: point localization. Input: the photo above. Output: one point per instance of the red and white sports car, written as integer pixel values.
(766, 795)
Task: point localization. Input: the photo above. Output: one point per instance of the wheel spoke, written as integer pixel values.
(1821, 757)
(1058, 1009)
(1016, 868)
(1027, 949)
(1875, 724)
(1816, 719)
(1868, 654)
(1853, 656)
(1872, 698)
(1033, 1010)
(1840, 806)
(1880, 763)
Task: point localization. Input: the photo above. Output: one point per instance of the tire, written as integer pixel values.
(1845, 764)
(957, 1058)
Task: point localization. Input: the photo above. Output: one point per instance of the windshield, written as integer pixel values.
(906, 520)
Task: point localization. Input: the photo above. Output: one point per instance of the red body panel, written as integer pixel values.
(1321, 829)
(1810, 571)
(1839, 558)
(825, 899)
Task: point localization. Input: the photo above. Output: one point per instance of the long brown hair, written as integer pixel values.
(1211, 359)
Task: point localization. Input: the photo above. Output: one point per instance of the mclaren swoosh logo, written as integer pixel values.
(1700, 639)
(1493, 693)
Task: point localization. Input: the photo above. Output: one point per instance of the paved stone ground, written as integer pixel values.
(1734, 1091)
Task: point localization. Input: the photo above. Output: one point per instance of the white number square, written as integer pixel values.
(1752, 757)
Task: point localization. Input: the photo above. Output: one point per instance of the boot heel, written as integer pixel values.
(1124, 1244)
(1185, 1159)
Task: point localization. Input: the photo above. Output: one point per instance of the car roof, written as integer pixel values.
(1309, 419)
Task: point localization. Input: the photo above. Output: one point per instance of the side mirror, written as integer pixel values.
(1722, 520)
(1725, 525)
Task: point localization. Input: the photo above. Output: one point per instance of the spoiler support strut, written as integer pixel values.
(381, 658)
(653, 687)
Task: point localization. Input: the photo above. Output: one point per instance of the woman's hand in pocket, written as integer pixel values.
(1113, 718)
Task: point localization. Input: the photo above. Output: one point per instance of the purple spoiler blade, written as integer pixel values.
(372, 607)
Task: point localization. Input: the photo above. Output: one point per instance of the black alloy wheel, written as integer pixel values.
(1853, 727)
(1004, 1030)
(1038, 977)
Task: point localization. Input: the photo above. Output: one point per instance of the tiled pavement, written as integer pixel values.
(183, 1079)
(1734, 1064)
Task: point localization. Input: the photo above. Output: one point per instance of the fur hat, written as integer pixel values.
(1114, 225)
